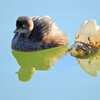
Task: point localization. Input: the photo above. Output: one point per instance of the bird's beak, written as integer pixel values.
(16, 31)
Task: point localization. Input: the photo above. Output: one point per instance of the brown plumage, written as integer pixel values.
(37, 33)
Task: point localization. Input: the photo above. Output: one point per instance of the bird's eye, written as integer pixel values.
(23, 26)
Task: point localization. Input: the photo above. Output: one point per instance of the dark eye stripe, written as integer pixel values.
(19, 24)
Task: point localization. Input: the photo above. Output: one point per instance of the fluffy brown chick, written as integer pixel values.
(37, 33)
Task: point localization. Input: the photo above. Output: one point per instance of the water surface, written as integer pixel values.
(49, 74)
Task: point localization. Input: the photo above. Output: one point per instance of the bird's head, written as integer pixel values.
(24, 25)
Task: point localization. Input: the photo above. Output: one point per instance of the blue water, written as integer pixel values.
(65, 80)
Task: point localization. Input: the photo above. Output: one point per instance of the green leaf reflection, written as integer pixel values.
(37, 60)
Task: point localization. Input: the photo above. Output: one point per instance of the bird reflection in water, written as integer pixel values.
(91, 64)
(37, 60)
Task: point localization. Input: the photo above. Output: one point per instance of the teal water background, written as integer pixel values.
(66, 79)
